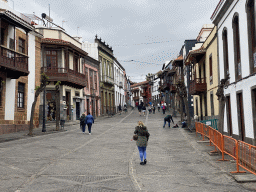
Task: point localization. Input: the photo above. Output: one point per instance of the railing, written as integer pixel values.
(197, 86)
(121, 84)
(108, 79)
(13, 60)
(243, 153)
(211, 122)
(70, 76)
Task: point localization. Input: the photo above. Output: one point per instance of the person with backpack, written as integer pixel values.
(164, 108)
(89, 120)
(142, 141)
(82, 122)
(168, 118)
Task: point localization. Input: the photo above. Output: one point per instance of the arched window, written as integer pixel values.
(225, 52)
(237, 54)
(250, 9)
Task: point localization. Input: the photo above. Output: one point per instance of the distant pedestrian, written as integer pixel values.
(144, 110)
(89, 120)
(168, 118)
(163, 108)
(120, 108)
(139, 109)
(154, 109)
(142, 142)
(82, 122)
(158, 106)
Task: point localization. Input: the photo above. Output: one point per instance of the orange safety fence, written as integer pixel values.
(206, 129)
(216, 138)
(246, 156)
(199, 128)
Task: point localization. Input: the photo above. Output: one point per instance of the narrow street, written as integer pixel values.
(108, 160)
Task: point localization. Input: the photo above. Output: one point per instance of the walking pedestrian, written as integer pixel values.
(168, 118)
(82, 122)
(154, 109)
(144, 110)
(163, 109)
(142, 142)
(120, 108)
(158, 106)
(139, 109)
(89, 120)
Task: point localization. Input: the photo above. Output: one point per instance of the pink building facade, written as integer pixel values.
(91, 91)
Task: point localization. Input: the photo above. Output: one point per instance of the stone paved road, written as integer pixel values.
(108, 160)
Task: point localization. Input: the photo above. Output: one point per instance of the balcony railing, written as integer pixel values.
(173, 89)
(121, 84)
(107, 79)
(66, 76)
(136, 98)
(197, 86)
(143, 94)
(14, 63)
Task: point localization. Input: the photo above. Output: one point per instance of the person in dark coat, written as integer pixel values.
(82, 122)
(139, 109)
(142, 142)
(168, 118)
(89, 121)
(120, 109)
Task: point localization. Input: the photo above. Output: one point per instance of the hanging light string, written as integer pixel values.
(149, 43)
(142, 62)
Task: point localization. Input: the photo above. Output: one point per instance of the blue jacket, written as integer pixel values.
(89, 119)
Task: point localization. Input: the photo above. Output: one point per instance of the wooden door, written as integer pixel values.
(229, 119)
(241, 115)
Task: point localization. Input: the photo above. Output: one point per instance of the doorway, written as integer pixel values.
(77, 110)
(88, 106)
(68, 105)
(240, 109)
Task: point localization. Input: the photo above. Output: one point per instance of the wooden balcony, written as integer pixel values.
(144, 94)
(136, 98)
(67, 77)
(14, 63)
(166, 86)
(173, 89)
(197, 86)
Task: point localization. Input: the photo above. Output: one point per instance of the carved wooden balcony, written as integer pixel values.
(144, 94)
(136, 98)
(66, 76)
(14, 63)
(197, 86)
(166, 86)
(173, 88)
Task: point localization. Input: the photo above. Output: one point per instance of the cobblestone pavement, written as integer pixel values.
(108, 160)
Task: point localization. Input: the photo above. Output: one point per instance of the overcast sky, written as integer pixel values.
(149, 32)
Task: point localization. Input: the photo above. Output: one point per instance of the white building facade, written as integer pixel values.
(119, 84)
(237, 58)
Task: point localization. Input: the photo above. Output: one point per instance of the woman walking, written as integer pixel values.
(89, 121)
(142, 142)
(82, 122)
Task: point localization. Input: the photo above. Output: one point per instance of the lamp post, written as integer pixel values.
(43, 128)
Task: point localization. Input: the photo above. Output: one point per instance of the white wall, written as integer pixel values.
(91, 49)
(10, 99)
(31, 76)
(244, 85)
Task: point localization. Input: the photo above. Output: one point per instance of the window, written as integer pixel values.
(1, 90)
(51, 59)
(91, 79)
(21, 94)
(21, 45)
(95, 80)
(210, 67)
(2, 36)
(254, 108)
(225, 52)
(11, 44)
(251, 34)
(236, 37)
(212, 105)
(86, 76)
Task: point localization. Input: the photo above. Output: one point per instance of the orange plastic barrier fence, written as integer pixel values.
(216, 138)
(243, 153)
(247, 156)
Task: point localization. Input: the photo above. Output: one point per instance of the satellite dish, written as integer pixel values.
(43, 15)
